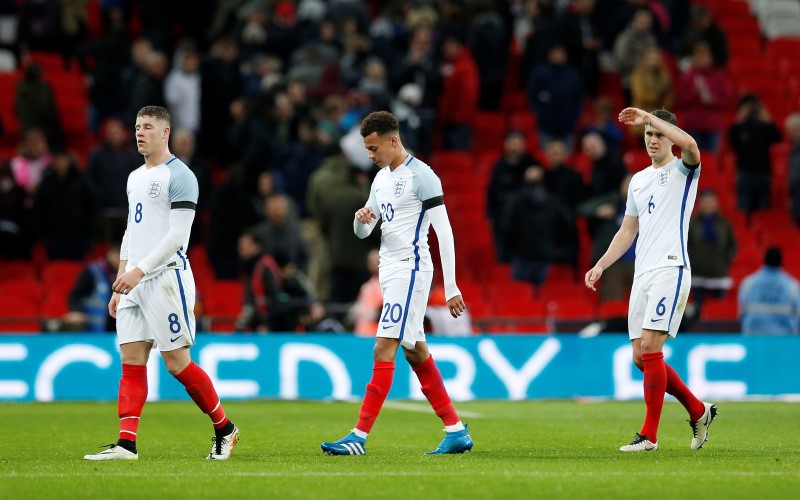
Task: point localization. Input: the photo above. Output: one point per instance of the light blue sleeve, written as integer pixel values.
(686, 171)
(630, 204)
(427, 184)
(183, 188)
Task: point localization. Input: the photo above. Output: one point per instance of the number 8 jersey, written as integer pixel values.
(402, 198)
(152, 193)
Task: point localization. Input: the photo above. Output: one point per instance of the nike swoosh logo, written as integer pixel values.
(387, 327)
(636, 189)
(656, 320)
(173, 339)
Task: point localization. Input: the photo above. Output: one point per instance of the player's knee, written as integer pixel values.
(637, 360)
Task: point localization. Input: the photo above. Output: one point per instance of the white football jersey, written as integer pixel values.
(152, 193)
(402, 199)
(663, 199)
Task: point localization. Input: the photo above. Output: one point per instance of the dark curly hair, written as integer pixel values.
(157, 112)
(667, 116)
(381, 122)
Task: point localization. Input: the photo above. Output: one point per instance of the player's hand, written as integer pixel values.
(592, 276)
(634, 116)
(126, 281)
(365, 215)
(112, 305)
(456, 306)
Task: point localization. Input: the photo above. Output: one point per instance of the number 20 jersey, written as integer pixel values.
(402, 198)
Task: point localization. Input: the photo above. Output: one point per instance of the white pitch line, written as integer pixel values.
(424, 408)
(471, 472)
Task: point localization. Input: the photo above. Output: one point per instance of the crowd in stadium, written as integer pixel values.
(512, 103)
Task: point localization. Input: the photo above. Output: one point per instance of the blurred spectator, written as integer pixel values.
(281, 232)
(39, 25)
(534, 229)
(110, 163)
(348, 255)
(148, 86)
(419, 67)
(578, 28)
(103, 60)
(631, 44)
(533, 34)
(555, 95)
(702, 28)
(750, 137)
(300, 160)
(793, 135)
(769, 299)
(35, 106)
(366, 309)
(458, 101)
(332, 175)
(15, 233)
(278, 297)
(712, 247)
(406, 108)
(90, 294)
(182, 90)
(607, 170)
(220, 83)
(704, 97)
(605, 123)
(141, 51)
(507, 178)
(561, 179)
(564, 183)
(33, 160)
(65, 210)
(651, 84)
(488, 41)
(249, 143)
(605, 213)
(229, 214)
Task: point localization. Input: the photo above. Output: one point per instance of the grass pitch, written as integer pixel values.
(522, 450)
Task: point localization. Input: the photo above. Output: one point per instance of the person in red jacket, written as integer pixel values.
(703, 96)
(459, 98)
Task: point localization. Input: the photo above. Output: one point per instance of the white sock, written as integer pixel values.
(455, 427)
(361, 434)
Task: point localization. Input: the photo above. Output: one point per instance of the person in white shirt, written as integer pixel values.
(407, 197)
(659, 206)
(154, 293)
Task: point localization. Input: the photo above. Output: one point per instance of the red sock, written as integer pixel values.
(655, 386)
(377, 390)
(131, 398)
(677, 388)
(433, 388)
(202, 391)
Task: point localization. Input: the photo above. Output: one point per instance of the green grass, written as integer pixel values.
(522, 450)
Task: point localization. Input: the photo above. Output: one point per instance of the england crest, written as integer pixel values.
(153, 189)
(399, 187)
(663, 178)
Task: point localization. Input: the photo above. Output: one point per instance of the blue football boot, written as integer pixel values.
(453, 442)
(348, 445)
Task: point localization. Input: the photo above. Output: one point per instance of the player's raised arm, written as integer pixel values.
(690, 153)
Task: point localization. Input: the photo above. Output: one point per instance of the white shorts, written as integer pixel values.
(159, 310)
(658, 299)
(405, 298)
